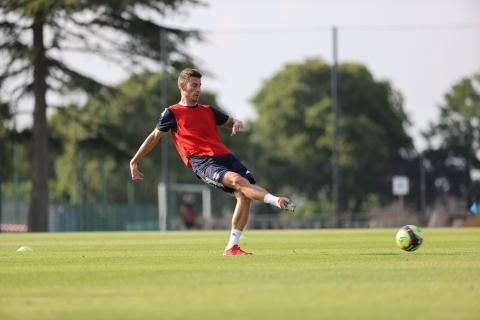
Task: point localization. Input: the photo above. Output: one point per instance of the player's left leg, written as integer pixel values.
(238, 183)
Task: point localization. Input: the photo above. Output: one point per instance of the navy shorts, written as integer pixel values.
(211, 170)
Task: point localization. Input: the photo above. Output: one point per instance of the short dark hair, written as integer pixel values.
(186, 74)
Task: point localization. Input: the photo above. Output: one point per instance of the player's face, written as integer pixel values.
(192, 89)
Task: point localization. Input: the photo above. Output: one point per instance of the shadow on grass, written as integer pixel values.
(381, 254)
(422, 254)
(448, 253)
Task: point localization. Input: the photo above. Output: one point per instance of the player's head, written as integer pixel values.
(190, 84)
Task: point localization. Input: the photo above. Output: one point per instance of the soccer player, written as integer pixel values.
(193, 128)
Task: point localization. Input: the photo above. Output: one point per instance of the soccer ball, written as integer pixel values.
(409, 238)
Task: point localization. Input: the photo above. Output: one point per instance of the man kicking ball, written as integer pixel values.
(193, 128)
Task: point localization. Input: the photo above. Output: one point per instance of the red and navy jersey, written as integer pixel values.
(194, 130)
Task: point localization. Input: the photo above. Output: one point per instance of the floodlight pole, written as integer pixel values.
(336, 112)
(164, 101)
(423, 197)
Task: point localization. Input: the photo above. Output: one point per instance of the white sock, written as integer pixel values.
(271, 199)
(234, 238)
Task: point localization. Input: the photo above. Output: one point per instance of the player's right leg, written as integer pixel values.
(239, 221)
(241, 212)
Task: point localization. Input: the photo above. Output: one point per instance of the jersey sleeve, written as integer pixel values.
(167, 121)
(220, 117)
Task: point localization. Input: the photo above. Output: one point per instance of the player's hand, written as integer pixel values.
(237, 127)
(136, 174)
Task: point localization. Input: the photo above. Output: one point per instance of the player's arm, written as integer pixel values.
(234, 124)
(151, 141)
(225, 121)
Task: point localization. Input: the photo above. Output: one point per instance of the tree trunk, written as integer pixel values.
(2, 168)
(38, 212)
(1, 198)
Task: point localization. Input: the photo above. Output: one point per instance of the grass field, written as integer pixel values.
(314, 274)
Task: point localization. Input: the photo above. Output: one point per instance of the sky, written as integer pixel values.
(422, 47)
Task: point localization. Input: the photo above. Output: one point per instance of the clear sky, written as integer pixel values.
(421, 46)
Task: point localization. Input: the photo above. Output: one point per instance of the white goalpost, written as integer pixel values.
(184, 187)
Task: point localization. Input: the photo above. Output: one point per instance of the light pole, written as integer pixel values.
(164, 101)
(336, 131)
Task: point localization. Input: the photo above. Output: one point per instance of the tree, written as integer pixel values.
(35, 34)
(454, 141)
(5, 116)
(294, 131)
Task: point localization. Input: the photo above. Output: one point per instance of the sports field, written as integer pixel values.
(314, 274)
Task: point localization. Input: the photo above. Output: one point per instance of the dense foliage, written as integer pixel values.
(295, 125)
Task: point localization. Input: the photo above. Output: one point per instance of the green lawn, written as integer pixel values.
(314, 274)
